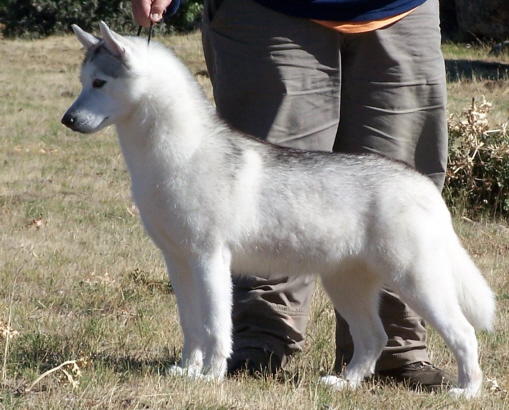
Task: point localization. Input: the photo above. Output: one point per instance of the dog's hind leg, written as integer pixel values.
(428, 288)
(460, 336)
(355, 295)
(212, 276)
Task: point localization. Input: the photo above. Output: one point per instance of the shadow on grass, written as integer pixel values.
(460, 70)
(137, 364)
(42, 352)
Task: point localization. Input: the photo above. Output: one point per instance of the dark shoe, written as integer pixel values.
(419, 375)
(256, 361)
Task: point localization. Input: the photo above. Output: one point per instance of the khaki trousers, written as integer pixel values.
(296, 83)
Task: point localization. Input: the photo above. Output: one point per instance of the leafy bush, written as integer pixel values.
(477, 181)
(40, 18)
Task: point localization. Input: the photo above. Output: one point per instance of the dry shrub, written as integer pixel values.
(71, 369)
(477, 180)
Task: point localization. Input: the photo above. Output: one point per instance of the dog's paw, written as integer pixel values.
(458, 393)
(193, 373)
(213, 378)
(338, 383)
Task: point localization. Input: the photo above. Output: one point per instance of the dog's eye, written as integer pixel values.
(98, 83)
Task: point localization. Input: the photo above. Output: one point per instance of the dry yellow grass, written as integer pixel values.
(80, 279)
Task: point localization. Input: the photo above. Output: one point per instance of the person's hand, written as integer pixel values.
(146, 11)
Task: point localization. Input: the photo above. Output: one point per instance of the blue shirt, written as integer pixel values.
(172, 8)
(341, 10)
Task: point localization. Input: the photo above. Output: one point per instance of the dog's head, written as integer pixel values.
(110, 78)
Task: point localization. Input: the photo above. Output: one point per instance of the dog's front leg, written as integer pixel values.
(188, 301)
(212, 277)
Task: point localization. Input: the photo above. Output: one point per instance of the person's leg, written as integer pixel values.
(275, 78)
(393, 102)
(393, 97)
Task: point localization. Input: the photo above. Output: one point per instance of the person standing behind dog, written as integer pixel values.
(349, 76)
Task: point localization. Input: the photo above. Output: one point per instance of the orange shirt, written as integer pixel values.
(354, 27)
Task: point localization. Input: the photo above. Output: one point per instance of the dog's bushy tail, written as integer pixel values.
(475, 297)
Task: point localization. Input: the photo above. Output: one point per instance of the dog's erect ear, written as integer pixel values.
(88, 40)
(116, 44)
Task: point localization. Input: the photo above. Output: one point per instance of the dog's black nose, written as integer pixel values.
(68, 120)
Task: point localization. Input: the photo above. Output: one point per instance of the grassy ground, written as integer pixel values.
(80, 279)
(474, 72)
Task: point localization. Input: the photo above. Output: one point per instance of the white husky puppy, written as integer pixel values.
(215, 201)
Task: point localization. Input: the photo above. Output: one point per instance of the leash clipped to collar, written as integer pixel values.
(150, 29)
